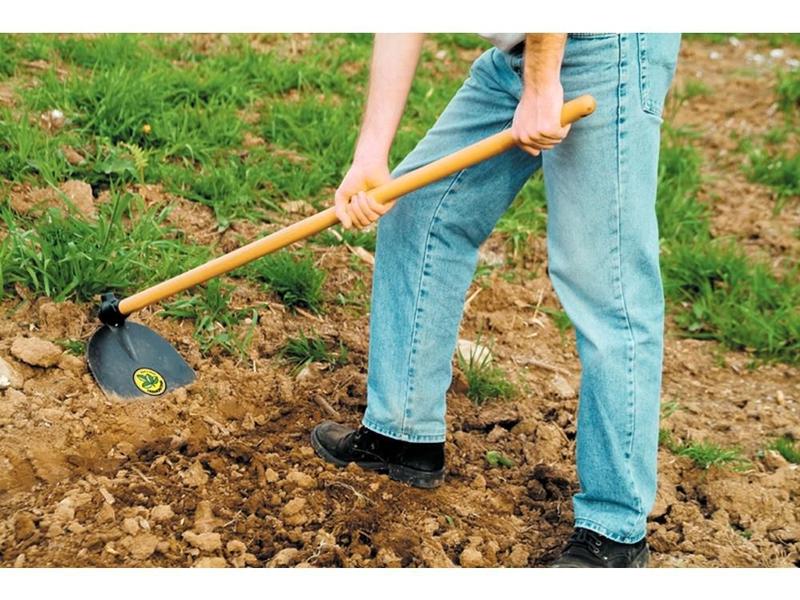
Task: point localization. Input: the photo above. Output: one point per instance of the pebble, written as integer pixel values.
(293, 507)
(207, 542)
(714, 55)
(9, 377)
(106, 513)
(162, 512)
(561, 387)
(470, 557)
(236, 547)
(473, 352)
(283, 558)
(36, 351)
(210, 562)
(195, 475)
(19, 562)
(130, 525)
(776, 53)
(301, 479)
(496, 434)
(142, 546)
(65, 511)
(271, 476)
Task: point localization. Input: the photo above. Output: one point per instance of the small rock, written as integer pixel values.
(142, 546)
(210, 562)
(236, 547)
(79, 194)
(24, 527)
(52, 120)
(19, 562)
(301, 479)
(470, 557)
(106, 513)
(73, 157)
(561, 387)
(271, 476)
(36, 351)
(65, 511)
(470, 352)
(195, 475)
(9, 377)
(776, 53)
(130, 525)
(714, 55)
(518, 557)
(162, 512)
(75, 527)
(204, 520)
(207, 542)
(294, 506)
(283, 558)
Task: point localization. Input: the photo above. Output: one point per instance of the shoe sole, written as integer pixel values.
(414, 477)
(642, 559)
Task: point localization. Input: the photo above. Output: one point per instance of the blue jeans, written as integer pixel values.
(602, 253)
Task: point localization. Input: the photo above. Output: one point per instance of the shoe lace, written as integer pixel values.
(585, 539)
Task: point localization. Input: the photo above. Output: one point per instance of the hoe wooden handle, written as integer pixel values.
(471, 155)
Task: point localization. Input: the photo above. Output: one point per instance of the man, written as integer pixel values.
(600, 182)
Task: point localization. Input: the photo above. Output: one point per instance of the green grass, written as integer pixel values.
(303, 349)
(495, 458)
(216, 324)
(526, 217)
(694, 88)
(788, 90)
(74, 347)
(778, 170)
(715, 291)
(705, 454)
(485, 381)
(294, 278)
(787, 448)
(63, 257)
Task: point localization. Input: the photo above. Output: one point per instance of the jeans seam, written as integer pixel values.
(420, 293)
(624, 89)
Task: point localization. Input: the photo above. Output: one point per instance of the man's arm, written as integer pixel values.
(537, 120)
(394, 62)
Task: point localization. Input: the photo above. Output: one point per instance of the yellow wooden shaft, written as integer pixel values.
(471, 155)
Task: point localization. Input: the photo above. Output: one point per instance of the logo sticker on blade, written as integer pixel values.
(149, 381)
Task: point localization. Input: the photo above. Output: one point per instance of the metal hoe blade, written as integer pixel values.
(131, 361)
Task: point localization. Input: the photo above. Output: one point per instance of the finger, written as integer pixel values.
(377, 207)
(530, 150)
(367, 209)
(340, 208)
(358, 215)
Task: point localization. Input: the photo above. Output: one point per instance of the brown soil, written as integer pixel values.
(222, 473)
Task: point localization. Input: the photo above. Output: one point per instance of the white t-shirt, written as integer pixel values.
(504, 41)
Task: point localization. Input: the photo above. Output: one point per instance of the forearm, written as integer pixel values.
(543, 55)
(394, 62)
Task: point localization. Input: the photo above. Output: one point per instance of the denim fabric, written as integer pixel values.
(602, 254)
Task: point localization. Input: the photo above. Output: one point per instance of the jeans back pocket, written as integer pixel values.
(658, 56)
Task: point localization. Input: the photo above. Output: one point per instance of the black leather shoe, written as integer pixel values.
(590, 549)
(418, 464)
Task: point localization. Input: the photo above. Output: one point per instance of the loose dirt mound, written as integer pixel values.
(222, 473)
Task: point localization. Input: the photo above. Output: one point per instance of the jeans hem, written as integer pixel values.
(402, 436)
(605, 532)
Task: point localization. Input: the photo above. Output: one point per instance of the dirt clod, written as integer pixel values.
(36, 351)
(470, 557)
(284, 558)
(210, 562)
(206, 542)
(162, 512)
(9, 376)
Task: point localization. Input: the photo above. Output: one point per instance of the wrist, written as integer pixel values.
(371, 154)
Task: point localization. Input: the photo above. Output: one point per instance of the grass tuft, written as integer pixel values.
(295, 279)
(302, 350)
(787, 448)
(485, 381)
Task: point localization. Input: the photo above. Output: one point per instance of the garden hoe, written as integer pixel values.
(131, 361)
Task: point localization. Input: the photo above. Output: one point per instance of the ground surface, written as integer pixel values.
(222, 473)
